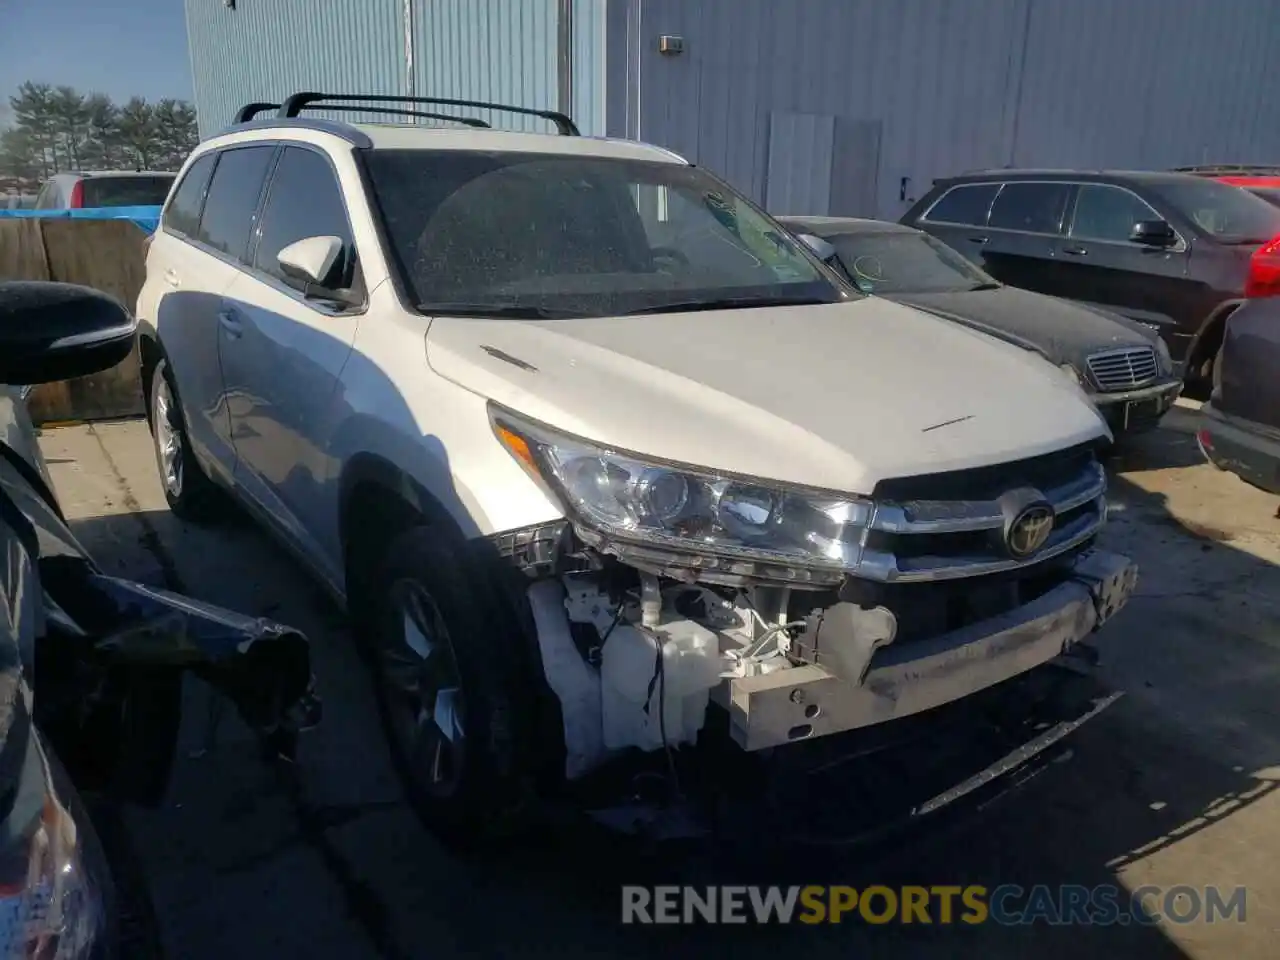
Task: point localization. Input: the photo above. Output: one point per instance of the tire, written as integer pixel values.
(188, 490)
(1216, 375)
(445, 652)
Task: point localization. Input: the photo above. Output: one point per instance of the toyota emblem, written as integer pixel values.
(1029, 531)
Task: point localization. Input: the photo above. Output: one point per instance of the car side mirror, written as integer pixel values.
(1153, 233)
(821, 249)
(60, 331)
(313, 266)
(311, 261)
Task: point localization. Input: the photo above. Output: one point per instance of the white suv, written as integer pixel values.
(593, 452)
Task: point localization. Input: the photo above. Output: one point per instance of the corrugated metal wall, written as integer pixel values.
(492, 50)
(504, 51)
(267, 49)
(1145, 82)
(952, 85)
(589, 59)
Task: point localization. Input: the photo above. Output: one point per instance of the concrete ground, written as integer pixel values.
(1174, 785)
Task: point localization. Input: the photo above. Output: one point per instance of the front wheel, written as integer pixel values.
(447, 672)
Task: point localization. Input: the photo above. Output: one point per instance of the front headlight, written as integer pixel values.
(1164, 359)
(50, 904)
(628, 497)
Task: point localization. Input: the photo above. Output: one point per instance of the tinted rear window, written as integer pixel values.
(967, 204)
(1231, 214)
(183, 213)
(233, 198)
(127, 191)
(1030, 207)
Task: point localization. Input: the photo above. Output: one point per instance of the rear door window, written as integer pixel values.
(1105, 212)
(1030, 207)
(967, 204)
(182, 216)
(131, 191)
(304, 201)
(232, 200)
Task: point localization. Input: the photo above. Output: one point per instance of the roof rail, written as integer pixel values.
(251, 110)
(301, 101)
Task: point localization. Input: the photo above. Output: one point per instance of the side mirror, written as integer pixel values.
(59, 331)
(313, 264)
(310, 261)
(1153, 233)
(822, 249)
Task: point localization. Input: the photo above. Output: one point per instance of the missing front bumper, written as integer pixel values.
(905, 679)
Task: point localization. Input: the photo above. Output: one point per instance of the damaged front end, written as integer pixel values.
(682, 622)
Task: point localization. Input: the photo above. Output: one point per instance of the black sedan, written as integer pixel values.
(91, 668)
(1122, 365)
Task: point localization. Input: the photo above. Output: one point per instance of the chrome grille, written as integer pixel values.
(1123, 369)
(946, 539)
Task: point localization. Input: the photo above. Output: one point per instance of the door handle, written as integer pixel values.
(979, 239)
(230, 323)
(1076, 251)
(171, 278)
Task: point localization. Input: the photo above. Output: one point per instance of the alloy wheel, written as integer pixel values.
(424, 691)
(167, 429)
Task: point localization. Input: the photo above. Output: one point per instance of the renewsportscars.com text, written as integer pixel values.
(1006, 905)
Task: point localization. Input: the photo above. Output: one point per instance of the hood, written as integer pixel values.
(1064, 331)
(837, 396)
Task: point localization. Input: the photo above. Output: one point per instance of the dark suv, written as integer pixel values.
(1171, 250)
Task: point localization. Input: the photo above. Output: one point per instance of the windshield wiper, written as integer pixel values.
(730, 303)
(513, 311)
(985, 285)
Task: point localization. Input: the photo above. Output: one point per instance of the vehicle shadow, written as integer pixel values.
(1196, 737)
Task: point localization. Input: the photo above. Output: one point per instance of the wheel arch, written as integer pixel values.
(378, 498)
(150, 353)
(1205, 344)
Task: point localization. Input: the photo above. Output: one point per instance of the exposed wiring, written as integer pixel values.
(659, 680)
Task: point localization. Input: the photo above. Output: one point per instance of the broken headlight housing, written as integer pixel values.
(626, 496)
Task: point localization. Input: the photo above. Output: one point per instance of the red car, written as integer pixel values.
(1262, 180)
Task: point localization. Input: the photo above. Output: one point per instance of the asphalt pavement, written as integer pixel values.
(1173, 785)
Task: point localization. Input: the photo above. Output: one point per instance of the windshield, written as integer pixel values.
(554, 235)
(143, 191)
(886, 263)
(1228, 213)
(1269, 194)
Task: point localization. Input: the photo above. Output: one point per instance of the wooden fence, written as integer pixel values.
(105, 254)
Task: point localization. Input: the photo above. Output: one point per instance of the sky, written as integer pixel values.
(122, 48)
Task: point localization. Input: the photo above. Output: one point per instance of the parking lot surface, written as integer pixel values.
(1173, 785)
